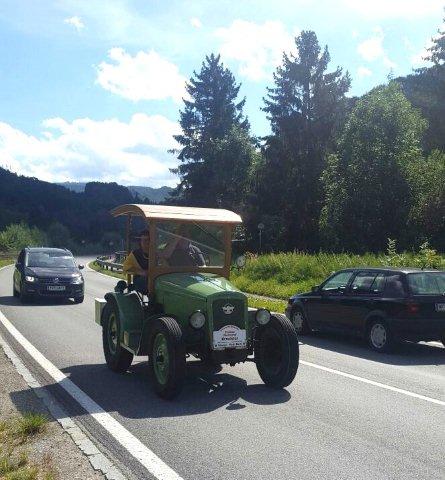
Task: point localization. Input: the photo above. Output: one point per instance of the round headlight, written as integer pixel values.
(197, 319)
(262, 316)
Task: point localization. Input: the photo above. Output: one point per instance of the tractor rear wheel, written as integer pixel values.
(277, 352)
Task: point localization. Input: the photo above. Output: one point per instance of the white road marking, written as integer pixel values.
(135, 447)
(375, 384)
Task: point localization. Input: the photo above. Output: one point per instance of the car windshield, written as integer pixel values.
(50, 260)
(427, 283)
(189, 244)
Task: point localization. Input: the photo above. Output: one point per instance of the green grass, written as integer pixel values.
(94, 266)
(16, 437)
(30, 424)
(271, 305)
(281, 275)
(6, 261)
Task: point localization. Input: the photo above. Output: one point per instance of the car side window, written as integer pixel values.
(337, 281)
(394, 286)
(362, 282)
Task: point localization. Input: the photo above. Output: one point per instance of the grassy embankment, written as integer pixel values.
(6, 261)
(281, 275)
(16, 436)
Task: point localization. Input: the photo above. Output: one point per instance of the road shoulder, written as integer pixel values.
(20, 393)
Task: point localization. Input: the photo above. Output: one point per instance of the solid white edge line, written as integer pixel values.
(375, 384)
(135, 447)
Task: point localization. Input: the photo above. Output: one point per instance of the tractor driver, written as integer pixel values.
(136, 263)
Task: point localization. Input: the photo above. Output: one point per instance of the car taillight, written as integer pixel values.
(413, 308)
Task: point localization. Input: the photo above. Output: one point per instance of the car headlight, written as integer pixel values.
(28, 278)
(197, 319)
(262, 316)
(77, 279)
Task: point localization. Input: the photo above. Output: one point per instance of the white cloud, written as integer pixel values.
(109, 150)
(364, 72)
(372, 49)
(258, 48)
(76, 22)
(146, 76)
(195, 22)
(383, 9)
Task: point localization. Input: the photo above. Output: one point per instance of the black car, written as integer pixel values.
(47, 272)
(382, 305)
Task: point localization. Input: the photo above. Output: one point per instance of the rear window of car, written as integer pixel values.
(427, 283)
(368, 283)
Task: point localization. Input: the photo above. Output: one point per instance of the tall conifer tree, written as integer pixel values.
(304, 107)
(212, 117)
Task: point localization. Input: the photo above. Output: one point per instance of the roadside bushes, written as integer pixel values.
(280, 275)
(17, 236)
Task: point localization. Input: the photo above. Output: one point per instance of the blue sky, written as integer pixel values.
(90, 90)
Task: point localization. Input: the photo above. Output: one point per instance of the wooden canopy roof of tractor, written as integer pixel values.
(188, 214)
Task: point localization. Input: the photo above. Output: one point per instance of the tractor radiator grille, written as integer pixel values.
(229, 312)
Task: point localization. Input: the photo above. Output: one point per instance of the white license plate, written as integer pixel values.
(229, 336)
(440, 307)
(56, 288)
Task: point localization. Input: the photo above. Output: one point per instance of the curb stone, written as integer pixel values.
(96, 458)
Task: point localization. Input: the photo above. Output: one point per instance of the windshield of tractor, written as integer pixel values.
(189, 244)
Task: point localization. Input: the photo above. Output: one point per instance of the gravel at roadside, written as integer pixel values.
(52, 448)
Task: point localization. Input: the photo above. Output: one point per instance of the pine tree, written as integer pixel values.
(304, 108)
(437, 50)
(212, 114)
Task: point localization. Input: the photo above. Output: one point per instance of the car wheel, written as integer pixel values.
(14, 291)
(379, 336)
(79, 299)
(166, 357)
(118, 358)
(298, 319)
(276, 352)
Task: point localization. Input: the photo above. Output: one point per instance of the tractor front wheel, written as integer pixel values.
(118, 358)
(167, 357)
(277, 352)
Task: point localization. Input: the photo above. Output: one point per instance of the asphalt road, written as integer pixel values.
(229, 426)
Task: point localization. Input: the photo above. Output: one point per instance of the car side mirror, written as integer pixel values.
(80, 267)
(341, 289)
(18, 265)
(315, 288)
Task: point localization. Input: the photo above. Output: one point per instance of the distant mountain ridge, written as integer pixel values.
(153, 194)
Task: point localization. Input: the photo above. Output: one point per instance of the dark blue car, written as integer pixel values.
(381, 305)
(47, 272)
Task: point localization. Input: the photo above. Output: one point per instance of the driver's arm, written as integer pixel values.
(132, 267)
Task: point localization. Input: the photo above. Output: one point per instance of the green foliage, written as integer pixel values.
(281, 275)
(17, 236)
(437, 49)
(304, 107)
(215, 149)
(427, 215)
(367, 193)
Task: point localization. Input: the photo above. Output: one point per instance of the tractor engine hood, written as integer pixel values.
(196, 284)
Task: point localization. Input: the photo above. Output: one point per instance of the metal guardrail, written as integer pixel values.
(112, 262)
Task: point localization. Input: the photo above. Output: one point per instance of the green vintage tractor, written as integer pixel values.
(190, 309)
